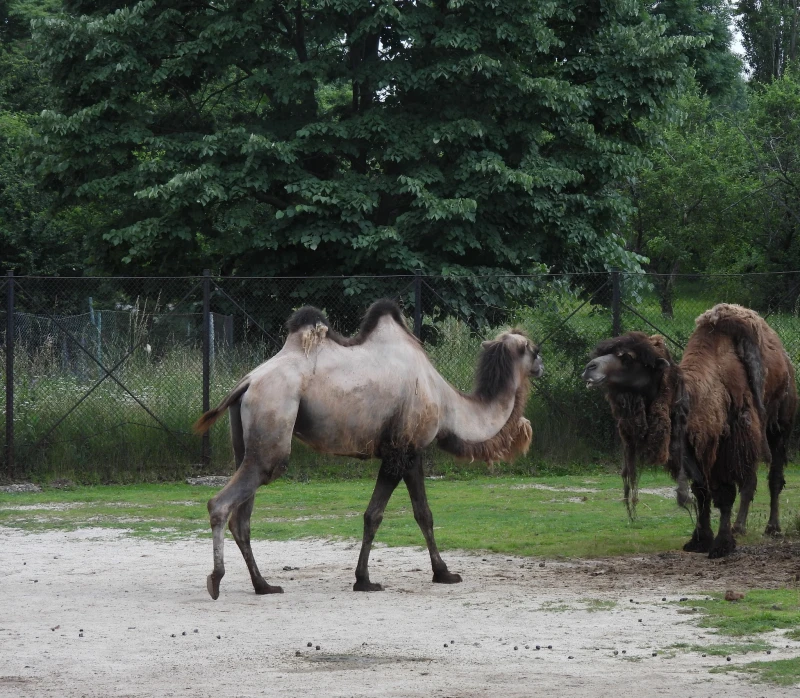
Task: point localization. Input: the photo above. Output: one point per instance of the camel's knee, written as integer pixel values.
(372, 519)
(776, 480)
(424, 518)
(723, 496)
(217, 512)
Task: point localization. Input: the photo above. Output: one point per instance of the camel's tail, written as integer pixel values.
(202, 425)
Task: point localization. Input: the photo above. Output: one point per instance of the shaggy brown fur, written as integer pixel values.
(644, 419)
(729, 403)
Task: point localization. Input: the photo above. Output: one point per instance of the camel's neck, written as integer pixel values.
(487, 430)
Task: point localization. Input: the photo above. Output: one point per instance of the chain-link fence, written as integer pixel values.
(103, 377)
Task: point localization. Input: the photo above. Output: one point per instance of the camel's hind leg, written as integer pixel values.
(388, 479)
(239, 523)
(240, 528)
(415, 482)
(240, 488)
(746, 494)
(777, 437)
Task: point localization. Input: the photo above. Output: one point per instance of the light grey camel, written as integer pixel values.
(374, 395)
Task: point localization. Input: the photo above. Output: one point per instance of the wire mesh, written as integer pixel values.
(108, 375)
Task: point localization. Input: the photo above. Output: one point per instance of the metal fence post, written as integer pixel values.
(206, 448)
(616, 303)
(418, 304)
(10, 375)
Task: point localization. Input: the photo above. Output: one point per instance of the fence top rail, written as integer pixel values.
(533, 275)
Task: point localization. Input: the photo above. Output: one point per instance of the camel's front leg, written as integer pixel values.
(703, 537)
(415, 482)
(777, 481)
(388, 480)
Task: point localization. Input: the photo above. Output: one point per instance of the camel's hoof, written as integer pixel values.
(722, 549)
(213, 586)
(446, 578)
(698, 546)
(367, 586)
(772, 530)
(267, 589)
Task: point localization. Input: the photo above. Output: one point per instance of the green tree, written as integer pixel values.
(717, 69)
(769, 35)
(350, 136)
(723, 194)
(772, 133)
(32, 240)
(699, 205)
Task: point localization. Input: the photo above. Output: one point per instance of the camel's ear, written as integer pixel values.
(488, 343)
(663, 363)
(626, 355)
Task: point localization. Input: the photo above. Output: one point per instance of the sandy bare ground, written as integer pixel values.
(134, 599)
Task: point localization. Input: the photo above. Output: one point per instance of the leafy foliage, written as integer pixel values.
(769, 35)
(379, 136)
(31, 239)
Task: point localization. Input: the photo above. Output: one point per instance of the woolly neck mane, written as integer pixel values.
(494, 376)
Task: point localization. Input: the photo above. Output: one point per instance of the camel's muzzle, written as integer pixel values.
(591, 376)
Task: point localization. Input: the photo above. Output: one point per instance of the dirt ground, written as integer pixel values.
(97, 613)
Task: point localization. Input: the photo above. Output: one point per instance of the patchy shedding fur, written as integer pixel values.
(749, 332)
(312, 336)
(311, 316)
(373, 395)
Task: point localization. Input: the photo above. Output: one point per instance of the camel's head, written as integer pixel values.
(519, 346)
(632, 363)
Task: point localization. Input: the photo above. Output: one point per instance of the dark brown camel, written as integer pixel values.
(375, 395)
(710, 420)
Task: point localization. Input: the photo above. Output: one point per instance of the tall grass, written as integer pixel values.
(110, 437)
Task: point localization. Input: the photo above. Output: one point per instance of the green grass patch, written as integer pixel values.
(760, 611)
(593, 605)
(576, 516)
(555, 607)
(782, 672)
(725, 649)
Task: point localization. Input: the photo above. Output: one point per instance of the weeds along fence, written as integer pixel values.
(103, 377)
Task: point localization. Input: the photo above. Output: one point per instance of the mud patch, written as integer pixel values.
(549, 488)
(345, 662)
